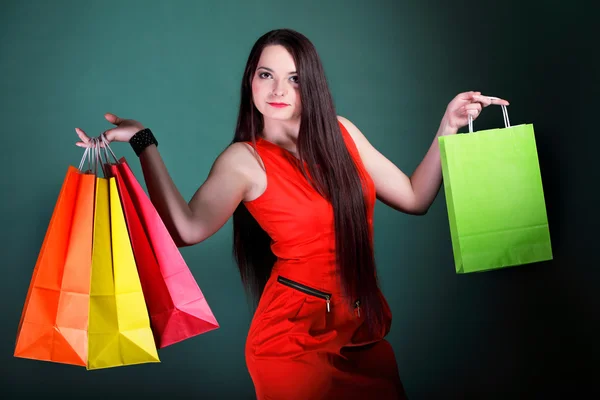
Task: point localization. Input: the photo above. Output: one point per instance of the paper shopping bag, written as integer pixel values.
(119, 326)
(495, 198)
(177, 307)
(54, 320)
(154, 287)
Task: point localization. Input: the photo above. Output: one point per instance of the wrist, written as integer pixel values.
(446, 130)
(142, 140)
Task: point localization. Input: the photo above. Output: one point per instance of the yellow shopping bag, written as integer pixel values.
(119, 327)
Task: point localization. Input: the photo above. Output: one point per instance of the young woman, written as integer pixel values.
(301, 184)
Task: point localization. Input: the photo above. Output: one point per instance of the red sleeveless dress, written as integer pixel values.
(305, 342)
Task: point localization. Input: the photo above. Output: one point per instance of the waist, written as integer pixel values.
(319, 273)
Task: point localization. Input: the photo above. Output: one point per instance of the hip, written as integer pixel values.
(300, 313)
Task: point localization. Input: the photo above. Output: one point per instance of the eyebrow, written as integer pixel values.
(270, 70)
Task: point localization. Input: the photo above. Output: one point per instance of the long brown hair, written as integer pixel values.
(320, 142)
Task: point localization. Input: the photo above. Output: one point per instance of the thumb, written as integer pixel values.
(113, 119)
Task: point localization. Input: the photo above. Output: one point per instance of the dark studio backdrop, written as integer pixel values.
(522, 332)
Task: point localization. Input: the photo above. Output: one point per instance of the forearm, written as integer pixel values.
(170, 204)
(426, 180)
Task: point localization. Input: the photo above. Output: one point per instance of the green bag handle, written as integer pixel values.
(504, 113)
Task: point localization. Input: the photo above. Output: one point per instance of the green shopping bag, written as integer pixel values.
(495, 198)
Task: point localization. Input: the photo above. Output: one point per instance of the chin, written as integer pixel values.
(280, 116)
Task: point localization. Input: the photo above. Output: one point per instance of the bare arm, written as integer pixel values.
(227, 184)
(234, 176)
(394, 188)
(415, 194)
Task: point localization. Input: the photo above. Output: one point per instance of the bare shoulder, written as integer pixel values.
(359, 138)
(239, 156)
(241, 159)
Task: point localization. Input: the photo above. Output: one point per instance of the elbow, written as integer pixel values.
(180, 243)
(181, 234)
(419, 208)
(179, 240)
(186, 239)
(177, 234)
(419, 211)
(411, 210)
(189, 234)
(420, 205)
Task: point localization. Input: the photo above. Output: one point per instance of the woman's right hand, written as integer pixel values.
(124, 130)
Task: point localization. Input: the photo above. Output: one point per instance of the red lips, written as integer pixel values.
(278, 105)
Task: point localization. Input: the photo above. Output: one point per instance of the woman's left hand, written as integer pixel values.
(458, 110)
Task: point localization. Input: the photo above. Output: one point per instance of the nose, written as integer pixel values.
(279, 89)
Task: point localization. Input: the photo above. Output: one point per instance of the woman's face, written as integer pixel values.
(275, 86)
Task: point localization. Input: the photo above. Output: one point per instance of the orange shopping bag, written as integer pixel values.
(54, 320)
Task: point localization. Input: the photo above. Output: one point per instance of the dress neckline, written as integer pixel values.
(277, 147)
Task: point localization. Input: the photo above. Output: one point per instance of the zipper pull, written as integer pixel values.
(357, 306)
(328, 308)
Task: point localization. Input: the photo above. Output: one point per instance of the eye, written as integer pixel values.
(294, 79)
(264, 75)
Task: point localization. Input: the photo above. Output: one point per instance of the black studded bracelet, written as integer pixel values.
(141, 140)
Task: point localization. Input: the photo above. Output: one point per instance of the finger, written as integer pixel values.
(472, 112)
(483, 100)
(497, 101)
(490, 100)
(113, 119)
(109, 135)
(474, 106)
(472, 109)
(468, 95)
(88, 144)
(84, 138)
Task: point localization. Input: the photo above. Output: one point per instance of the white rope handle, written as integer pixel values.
(93, 168)
(97, 157)
(103, 165)
(504, 115)
(94, 154)
(85, 154)
(106, 146)
(89, 154)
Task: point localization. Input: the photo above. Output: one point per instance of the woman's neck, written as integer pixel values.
(282, 133)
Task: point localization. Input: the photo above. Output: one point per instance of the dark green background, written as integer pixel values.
(393, 67)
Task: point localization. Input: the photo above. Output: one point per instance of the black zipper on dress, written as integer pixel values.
(306, 289)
